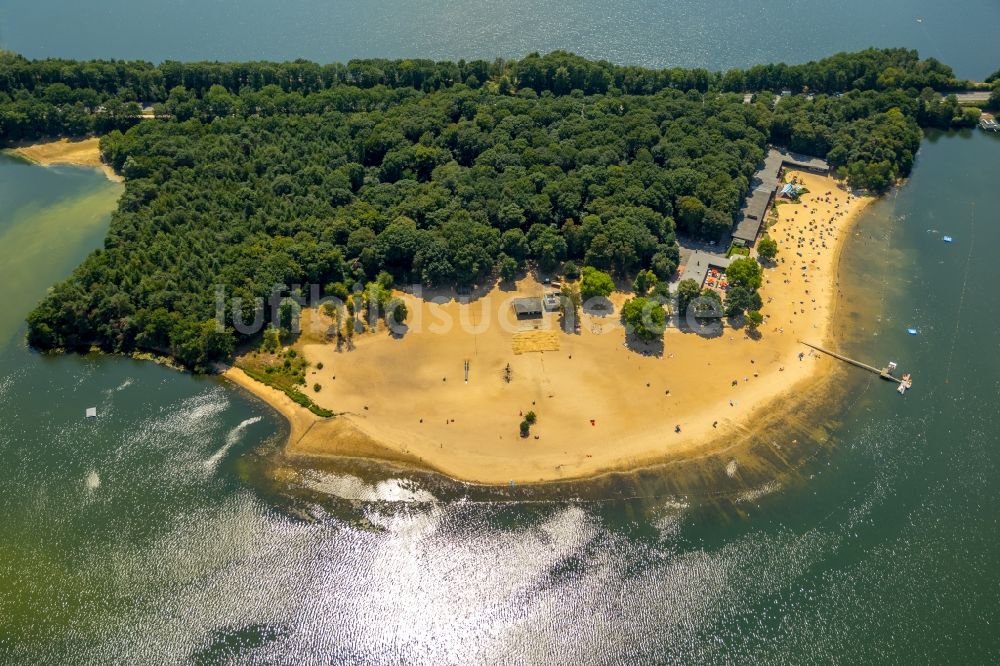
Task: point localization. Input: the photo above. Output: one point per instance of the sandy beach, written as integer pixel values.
(600, 405)
(79, 152)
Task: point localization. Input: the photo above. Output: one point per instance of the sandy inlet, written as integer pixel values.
(600, 405)
(76, 152)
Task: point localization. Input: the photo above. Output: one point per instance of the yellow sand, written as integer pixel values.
(79, 152)
(600, 406)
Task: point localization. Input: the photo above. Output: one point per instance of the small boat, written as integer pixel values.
(911, 331)
(905, 384)
(947, 239)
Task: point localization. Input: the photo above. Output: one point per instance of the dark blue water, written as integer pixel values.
(684, 33)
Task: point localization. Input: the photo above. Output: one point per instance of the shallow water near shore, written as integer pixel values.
(163, 531)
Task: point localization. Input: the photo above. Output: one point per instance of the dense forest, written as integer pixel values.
(258, 174)
(57, 97)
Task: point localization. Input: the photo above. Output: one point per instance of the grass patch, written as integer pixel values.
(284, 371)
(738, 250)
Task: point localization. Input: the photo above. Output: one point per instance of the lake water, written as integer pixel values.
(161, 532)
(164, 532)
(690, 33)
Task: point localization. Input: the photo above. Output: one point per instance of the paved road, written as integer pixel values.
(977, 96)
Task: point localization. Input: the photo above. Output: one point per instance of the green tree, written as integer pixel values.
(994, 102)
(739, 299)
(708, 304)
(687, 291)
(767, 247)
(595, 284)
(508, 268)
(754, 319)
(645, 280)
(690, 213)
(715, 223)
(396, 312)
(569, 307)
(745, 272)
(514, 244)
(663, 265)
(272, 340)
(384, 280)
(547, 246)
(644, 318)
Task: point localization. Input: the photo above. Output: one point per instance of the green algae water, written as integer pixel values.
(49, 220)
(161, 532)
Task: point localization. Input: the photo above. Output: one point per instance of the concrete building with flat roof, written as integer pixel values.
(697, 265)
(551, 300)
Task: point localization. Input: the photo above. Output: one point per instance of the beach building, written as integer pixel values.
(527, 308)
(551, 301)
(751, 215)
(765, 182)
(700, 264)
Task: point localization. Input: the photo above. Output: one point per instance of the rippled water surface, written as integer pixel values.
(669, 33)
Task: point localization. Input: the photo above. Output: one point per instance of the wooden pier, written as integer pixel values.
(883, 373)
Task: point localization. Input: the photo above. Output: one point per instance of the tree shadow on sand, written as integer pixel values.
(652, 348)
(598, 306)
(705, 327)
(739, 323)
(398, 331)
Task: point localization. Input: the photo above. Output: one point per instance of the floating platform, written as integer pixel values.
(91, 412)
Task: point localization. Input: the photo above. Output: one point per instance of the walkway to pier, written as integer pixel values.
(883, 373)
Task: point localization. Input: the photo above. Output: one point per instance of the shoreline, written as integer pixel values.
(568, 449)
(65, 152)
